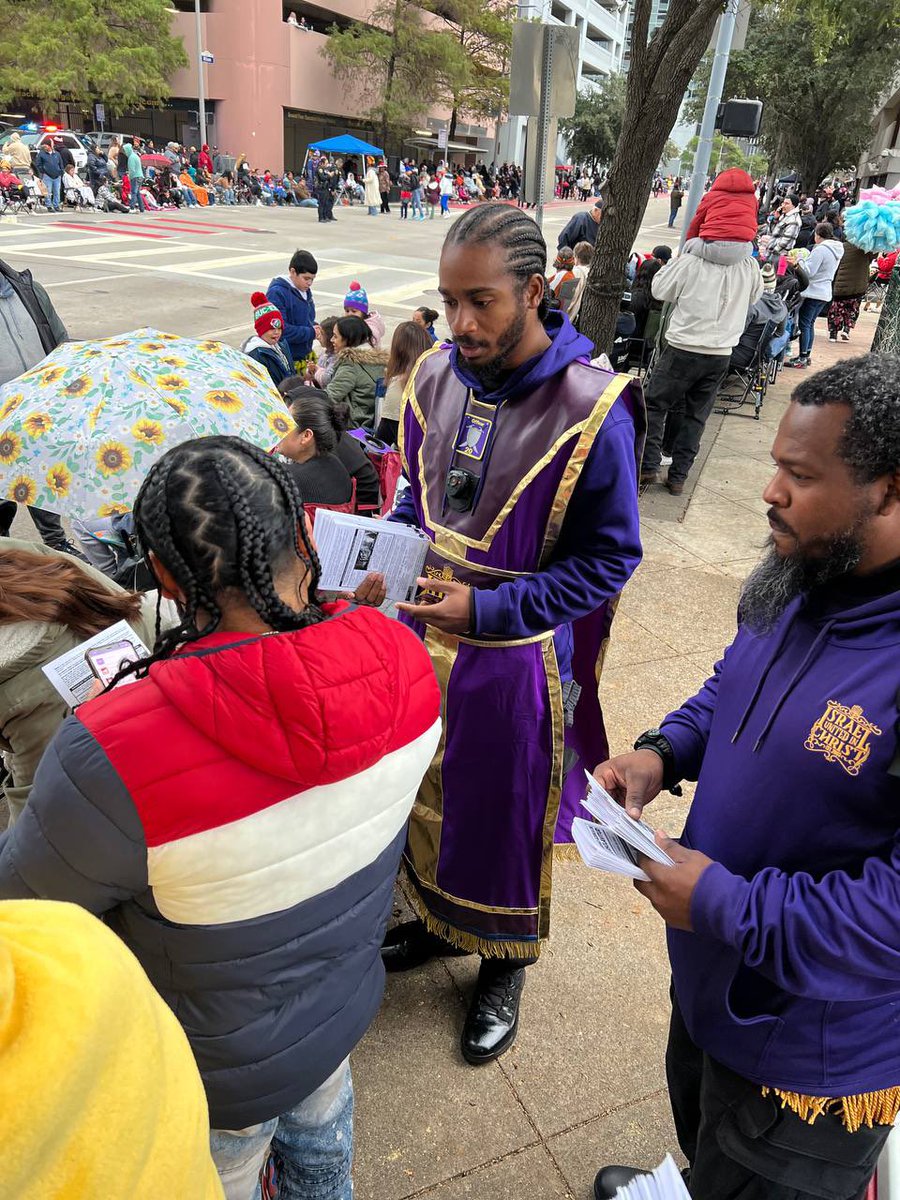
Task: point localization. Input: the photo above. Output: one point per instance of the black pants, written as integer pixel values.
(741, 1145)
(681, 379)
(48, 525)
(385, 206)
(326, 205)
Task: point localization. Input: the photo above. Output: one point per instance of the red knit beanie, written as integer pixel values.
(265, 315)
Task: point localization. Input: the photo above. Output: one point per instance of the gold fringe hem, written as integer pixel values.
(566, 852)
(869, 1108)
(470, 941)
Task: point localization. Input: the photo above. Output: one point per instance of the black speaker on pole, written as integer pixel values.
(739, 118)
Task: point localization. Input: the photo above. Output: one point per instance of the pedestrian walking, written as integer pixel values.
(446, 191)
(848, 287)
(821, 267)
(710, 291)
(676, 198)
(507, 405)
(780, 905)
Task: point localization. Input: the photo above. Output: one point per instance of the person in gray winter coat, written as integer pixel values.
(29, 329)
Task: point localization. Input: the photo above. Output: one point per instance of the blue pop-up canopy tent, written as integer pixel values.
(345, 144)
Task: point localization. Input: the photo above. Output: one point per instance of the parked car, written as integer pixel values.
(35, 136)
(103, 141)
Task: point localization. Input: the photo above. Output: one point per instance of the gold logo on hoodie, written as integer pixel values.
(842, 734)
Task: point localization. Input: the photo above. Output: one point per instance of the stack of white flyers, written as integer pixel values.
(665, 1183)
(350, 547)
(613, 844)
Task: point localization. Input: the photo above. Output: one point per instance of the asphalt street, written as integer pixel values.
(192, 271)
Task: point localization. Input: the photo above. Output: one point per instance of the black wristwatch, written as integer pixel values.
(656, 740)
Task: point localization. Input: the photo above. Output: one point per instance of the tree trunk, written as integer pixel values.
(659, 75)
(451, 132)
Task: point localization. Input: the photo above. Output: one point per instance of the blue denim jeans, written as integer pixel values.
(53, 189)
(417, 203)
(806, 319)
(135, 199)
(313, 1145)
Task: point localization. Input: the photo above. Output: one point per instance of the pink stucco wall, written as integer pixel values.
(263, 66)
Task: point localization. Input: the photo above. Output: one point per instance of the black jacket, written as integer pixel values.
(581, 228)
(38, 305)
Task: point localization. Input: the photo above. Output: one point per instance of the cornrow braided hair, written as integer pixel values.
(222, 515)
(516, 232)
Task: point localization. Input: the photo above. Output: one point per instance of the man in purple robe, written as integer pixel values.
(522, 462)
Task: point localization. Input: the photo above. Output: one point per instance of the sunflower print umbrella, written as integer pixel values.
(79, 432)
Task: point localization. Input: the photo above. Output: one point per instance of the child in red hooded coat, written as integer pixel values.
(728, 211)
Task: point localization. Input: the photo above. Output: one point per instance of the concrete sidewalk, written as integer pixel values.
(584, 1085)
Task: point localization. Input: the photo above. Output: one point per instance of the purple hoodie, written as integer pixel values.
(791, 977)
(592, 560)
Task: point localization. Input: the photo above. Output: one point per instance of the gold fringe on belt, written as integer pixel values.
(566, 852)
(470, 941)
(869, 1108)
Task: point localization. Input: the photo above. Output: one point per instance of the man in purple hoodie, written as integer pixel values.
(782, 908)
(522, 462)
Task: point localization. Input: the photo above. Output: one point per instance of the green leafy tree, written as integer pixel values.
(726, 153)
(661, 69)
(400, 64)
(818, 96)
(478, 85)
(120, 52)
(593, 132)
(670, 150)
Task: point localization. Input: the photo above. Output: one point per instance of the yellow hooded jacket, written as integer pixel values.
(99, 1091)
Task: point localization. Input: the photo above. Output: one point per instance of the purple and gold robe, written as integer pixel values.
(551, 541)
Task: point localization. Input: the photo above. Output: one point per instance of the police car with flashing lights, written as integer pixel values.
(35, 136)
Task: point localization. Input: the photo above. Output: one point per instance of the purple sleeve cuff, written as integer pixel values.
(490, 612)
(717, 903)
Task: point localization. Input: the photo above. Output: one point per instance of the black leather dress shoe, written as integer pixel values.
(610, 1179)
(410, 945)
(493, 1017)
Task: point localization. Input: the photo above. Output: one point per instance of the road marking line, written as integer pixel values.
(144, 252)
(230, 262)
(90, 279)
(407, 291)
(81, 241)
(113, 232)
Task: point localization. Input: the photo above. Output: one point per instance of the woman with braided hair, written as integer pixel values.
(238, 812)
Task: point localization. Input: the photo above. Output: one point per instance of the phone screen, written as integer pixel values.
(107, 661)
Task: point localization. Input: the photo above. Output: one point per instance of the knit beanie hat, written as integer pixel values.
(768, 277)
(265, 315)
(357, 298)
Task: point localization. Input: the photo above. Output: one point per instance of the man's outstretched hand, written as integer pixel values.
(671, 888)
(632, 779)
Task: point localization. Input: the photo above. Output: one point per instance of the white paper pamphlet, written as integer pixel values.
(665, 1183)
(70, 673)
(614, 840)
(350, 547)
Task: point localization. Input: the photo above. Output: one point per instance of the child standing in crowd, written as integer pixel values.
(292, 296)
(321, 371)
(410, 341)
(446, 193)
(426, 317)
(265, 345)
(356, 304)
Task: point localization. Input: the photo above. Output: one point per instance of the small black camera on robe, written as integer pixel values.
(461, 488)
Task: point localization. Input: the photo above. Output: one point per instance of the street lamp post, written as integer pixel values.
(201, 97)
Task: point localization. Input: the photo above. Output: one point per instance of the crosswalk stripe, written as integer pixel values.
(109, 256)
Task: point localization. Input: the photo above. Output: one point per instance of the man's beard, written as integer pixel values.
(492, 373)
(779, 579)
